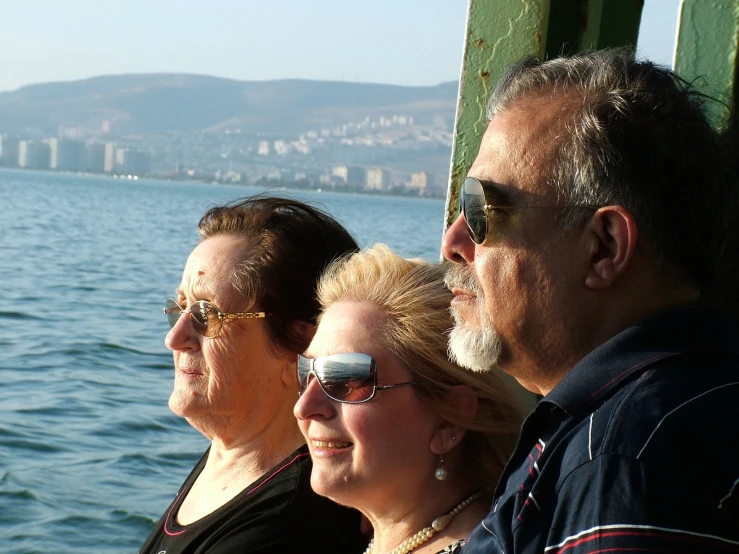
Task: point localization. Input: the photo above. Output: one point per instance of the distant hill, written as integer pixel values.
(162, 102)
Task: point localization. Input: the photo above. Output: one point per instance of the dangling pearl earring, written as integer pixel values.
(441, 472)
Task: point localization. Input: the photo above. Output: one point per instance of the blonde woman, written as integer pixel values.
(395, 429)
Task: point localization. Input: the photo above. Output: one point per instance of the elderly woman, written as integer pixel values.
(395, 429)
(244, 309)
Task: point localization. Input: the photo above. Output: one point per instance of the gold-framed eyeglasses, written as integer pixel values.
(207, 319)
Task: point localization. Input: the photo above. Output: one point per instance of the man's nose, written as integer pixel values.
(457, 246)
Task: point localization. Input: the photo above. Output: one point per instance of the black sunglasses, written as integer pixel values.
(350, 377)
(206, 317)
(473, 203)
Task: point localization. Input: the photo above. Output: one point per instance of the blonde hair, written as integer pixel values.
(412, 295)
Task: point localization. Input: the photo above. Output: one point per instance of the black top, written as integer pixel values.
(636, 449)
(277, 514)
(453, 548)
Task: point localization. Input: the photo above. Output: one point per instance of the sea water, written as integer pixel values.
(90, 455)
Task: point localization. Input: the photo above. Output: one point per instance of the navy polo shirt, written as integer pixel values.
(635, 450)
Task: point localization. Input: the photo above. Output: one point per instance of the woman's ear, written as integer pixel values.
(305, 330)
(289, 374)
(463, 400)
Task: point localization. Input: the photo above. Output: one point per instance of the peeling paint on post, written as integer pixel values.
(707, 48)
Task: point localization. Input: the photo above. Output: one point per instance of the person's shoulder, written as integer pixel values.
(281, 513)
(286, 475)
(312, 506)
(324, 525)
(691, 400)
(298, 505)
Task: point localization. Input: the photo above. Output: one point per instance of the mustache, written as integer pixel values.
(461, 277)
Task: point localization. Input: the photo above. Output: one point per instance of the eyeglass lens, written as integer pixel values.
(205, 316)
(343, 377)
(472, 204)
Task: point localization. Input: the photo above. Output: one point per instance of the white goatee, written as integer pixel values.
(474, 349)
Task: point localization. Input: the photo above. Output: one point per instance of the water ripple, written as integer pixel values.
(20, 495)
(17, 315)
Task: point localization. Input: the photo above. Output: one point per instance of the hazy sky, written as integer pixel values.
(407, 42)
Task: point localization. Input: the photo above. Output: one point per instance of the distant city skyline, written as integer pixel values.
(404, 42)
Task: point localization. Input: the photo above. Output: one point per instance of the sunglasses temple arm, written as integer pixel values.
(378, 387)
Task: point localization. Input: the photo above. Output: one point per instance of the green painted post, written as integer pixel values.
(500, 32)
(576, 25)
(611, 23)
(707, 48)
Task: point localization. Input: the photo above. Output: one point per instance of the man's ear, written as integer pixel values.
(463, 400)
(611, 234)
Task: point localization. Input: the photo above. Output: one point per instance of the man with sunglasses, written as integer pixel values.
(592, 255)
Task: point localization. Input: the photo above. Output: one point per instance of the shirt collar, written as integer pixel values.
(636, 348)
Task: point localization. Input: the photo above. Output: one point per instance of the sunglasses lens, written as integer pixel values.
(343, 377)
(304, 374)
(473, 207)
(173, 311)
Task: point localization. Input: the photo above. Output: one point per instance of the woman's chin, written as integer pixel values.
(329, 490)
(335, 485)
(186, 404)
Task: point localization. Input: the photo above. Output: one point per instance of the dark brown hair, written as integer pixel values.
(289, 245)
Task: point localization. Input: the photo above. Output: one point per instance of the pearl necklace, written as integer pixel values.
(438, 525)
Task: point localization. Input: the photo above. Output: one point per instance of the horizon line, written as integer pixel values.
(217, 77)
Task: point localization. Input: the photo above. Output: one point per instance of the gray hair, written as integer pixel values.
(636, 136)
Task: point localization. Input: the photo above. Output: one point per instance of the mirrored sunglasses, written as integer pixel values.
(474, 205)
(350, 378)
(206, 318)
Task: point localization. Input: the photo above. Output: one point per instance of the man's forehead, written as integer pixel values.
(521, 139)
(531, 118)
